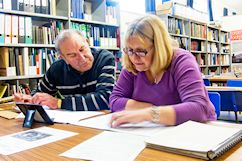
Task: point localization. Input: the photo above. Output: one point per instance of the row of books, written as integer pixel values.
(111, 14)
(25, 61)
(34, 6)
(213, 34)
(197, 45)
(83, 10)
(216, 59)
(225, 37)
(177, 26)
(198, 30)
(183, 42)
(19, 29)
(100, 36)
(212, 47)
(47, 33)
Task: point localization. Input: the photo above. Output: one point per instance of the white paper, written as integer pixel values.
(108, 146)
(64, 116)
(103, 122)
(20, 141)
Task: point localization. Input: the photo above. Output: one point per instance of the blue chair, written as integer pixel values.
(216, 100)
(236, 96)
(234, 83)
(206, 82)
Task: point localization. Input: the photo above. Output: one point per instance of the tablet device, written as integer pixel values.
(33, 112)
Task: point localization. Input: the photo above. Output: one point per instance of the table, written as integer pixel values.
(223, 88)
(51, 151)
(223, 78)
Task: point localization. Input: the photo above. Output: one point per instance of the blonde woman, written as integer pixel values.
(159, 82)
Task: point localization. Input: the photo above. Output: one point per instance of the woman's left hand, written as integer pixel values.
(135, 116)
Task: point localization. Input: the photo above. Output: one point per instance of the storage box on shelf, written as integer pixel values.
(28, 30)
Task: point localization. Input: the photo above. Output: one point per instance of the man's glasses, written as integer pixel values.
(139, 52)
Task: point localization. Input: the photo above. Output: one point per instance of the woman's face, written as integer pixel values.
(140, 53)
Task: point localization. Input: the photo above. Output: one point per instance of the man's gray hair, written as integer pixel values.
(63, 35)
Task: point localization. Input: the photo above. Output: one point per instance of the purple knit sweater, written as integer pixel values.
(181, 86)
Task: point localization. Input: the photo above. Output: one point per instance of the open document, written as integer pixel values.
(64, 116)
(20, 141)
(108, 146)
(103, 122)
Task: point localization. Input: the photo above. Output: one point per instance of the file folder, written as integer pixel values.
(26, 5)
(1, 4)
(37, 6)
(14, 29)
(21, 5)
(28, 30)
(14, 5)
(8, 32)
(2, 28)
(7, 4)
(31, 6)
(21, 36)
(44, 6)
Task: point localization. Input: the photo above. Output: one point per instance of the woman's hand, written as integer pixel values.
(45, 99)
(134, 116)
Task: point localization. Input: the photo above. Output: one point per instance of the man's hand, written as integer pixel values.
(19, 97)
(45, 99)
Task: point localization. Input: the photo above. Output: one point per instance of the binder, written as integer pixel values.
(21, 36)
(7, 4)
(15, 5)
(16, 54)
(2, 22)
(44, 6)
(37, 6)
(25, 55)
(196, 140)
(1, 4)
(26, 5)
(53, 7)
(4, 61)
(21, 5)
(28, 30)
(14, 29)
(31, 6)
(8, 32)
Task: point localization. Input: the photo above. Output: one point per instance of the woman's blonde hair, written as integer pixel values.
(152, 28)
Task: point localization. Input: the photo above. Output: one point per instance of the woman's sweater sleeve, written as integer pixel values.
(122, 91)
(195, 102)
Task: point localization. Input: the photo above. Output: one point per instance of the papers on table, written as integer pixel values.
(108, 146)
(102, 122)
(64, 116)
(20, 141)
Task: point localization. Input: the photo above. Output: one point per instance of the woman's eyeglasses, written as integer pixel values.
(131, 52)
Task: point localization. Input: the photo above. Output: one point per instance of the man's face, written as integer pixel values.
(76, 52)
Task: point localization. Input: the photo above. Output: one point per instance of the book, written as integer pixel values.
(3, 89)
(196, 140)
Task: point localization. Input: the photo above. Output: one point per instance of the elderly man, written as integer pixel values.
(83, 76)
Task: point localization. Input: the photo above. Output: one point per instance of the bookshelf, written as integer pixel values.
(29, 28)
(209, 45)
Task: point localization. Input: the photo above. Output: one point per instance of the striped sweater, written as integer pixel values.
(88, 91)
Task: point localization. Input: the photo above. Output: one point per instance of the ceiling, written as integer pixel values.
(235, 4)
